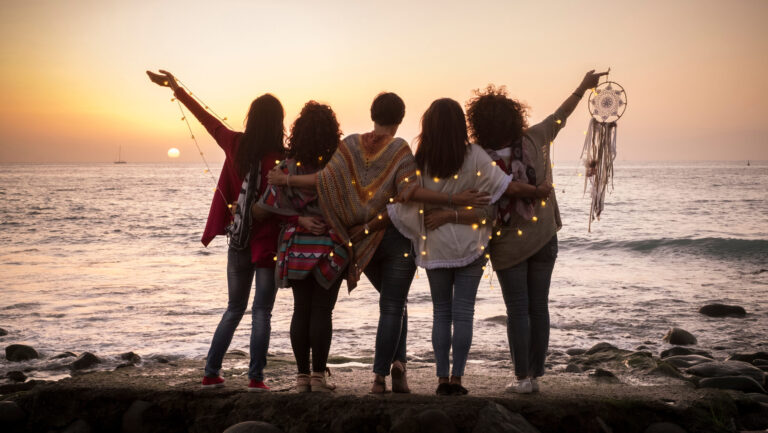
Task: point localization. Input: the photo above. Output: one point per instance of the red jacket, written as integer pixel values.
(264, 234)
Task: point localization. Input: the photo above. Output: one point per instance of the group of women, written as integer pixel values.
(322, 210)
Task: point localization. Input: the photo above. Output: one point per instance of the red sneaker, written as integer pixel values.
(257, 386)
(212, 382)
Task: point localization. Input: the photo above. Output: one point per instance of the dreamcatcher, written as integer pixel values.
(607, 103)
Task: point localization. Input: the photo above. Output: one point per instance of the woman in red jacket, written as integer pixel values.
(257, 148)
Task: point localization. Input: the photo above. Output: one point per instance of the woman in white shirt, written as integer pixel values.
(450, 242)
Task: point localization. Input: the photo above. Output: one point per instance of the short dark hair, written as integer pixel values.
(387, 109)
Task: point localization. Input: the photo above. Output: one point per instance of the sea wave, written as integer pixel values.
(721, 248)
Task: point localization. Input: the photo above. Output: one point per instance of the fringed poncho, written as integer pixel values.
(360, 179)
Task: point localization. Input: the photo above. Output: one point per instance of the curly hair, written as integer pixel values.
(495, 120)
(315, 135)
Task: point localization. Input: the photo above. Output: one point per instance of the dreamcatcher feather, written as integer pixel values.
(607, 103)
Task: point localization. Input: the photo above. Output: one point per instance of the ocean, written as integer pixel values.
(107, 258)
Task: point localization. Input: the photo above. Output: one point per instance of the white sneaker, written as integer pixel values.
(521, 386)
(534, 385)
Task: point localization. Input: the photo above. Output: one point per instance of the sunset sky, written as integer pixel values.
(74, 89)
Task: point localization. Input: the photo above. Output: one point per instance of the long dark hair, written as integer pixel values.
(315, 135)
(443, 139)
(264, 133)
(495, 120)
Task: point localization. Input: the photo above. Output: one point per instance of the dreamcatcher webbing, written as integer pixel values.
(600, 151)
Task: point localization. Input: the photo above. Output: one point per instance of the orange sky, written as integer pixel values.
(73, 84)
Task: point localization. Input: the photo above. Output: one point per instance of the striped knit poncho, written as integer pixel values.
(360, 179)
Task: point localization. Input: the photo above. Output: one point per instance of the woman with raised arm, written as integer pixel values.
(311, 256)
(249, 157)
(367, 172)
(524, 252)
(450, 242)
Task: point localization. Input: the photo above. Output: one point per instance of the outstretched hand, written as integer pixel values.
(164, 79)
(591, 79)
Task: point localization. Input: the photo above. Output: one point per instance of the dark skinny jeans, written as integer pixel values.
(391, 272)
(312, 322)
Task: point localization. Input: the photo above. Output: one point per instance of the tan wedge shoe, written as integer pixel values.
(318, 382)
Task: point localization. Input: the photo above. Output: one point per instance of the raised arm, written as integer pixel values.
(590, 81)
(218, 130)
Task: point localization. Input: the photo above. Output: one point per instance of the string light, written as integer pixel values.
(474, 226)
(558, 121)
(543, 203)
(423, 253)
(405, 254)
(380, 216)
(479, 173)
(331, 254)
(455, 176)
(350, 243)
(320, 158)
(498, 233)
(421, 211)
(483, 221)
(418, 172)
(424, 237)
(493, 163)
(391, 200)
(469, 207)
(519, 232)
(274, 258)
(535, 218)
(436, 179)
(298, 163)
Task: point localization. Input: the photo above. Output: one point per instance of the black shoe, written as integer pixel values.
(457, 389)
(443, 389)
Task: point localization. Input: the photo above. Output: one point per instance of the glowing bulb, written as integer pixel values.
(498, 233)
(483, 222)
(493, 163)
(380, 217)
(350, 243)
(320, 158)
(474, 226)
(585, 132)
(482, 247)
(229, 205)
(579, 174)
(418, 172)
(205, 171)
(423, 253)
(543, 203)
(487, 256)
(551, 143)
(274, 259)
(423, 237)
(406, 180)
(173, 153)
(353, 182)
(214, 189)
(558, 121)
(405, 254)
(469, 207)
(391, 200)
(519, 232)
(455, 176)
(421, 210)
(553, 185)
(490, 237)
(277, 162)
(370, 194)
(436, 179)
(298, 163)
(165, 83)
(483, 267)
(535, 218)
(331, 254)
(366, 231)
(479, 173)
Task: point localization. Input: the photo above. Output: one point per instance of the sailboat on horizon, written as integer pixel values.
(120, 156)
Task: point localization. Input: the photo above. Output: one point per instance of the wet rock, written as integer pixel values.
(235, 353)
(79, 426)
(499, 320)
(642, 347)
(739, 383)
(686, 361)
(747, 357)
(604, 376)
(680, 337)
(20, 352)
(3, 332)
(573, 368)
(728, 368)
(574, 351)
(131, 357)
(85, 360)
(759, 362)
(722, 310)
(639, 360)
(253, 427)
(666, 369)
(678, 350)
(11, 413)
(64, 355)
(16, 376)
(412, 421)
(664, 427)
(162, 359)
(496, 418)
(10, 388)
(601, 347)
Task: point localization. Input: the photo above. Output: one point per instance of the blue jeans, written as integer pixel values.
(240, 275)
(453, 303)
(391, 274)
(525, 288)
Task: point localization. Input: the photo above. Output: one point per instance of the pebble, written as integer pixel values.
(573, 368)
(130, 357)
(64, 355)
(574, 351)
(85, 360)
(679, 336)
(600, 347)
(604, 376)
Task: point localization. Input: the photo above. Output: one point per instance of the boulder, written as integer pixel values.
(20, 352)
(678, 350)
(253, 427)
(573, 368)
(495, 418)
(16, 376)
(739, 383)
(680, 337)
(131, 357)
(722, 310)
(11, 413)
(601, 347)
(140, 417)
(85, 360)
(604, 376)
(727, 368)
(686, 361)
(411, 421)
(574, 351)
(664, 427)
(747, 357)
(3, 332)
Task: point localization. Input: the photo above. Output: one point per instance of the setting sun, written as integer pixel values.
(173, 153)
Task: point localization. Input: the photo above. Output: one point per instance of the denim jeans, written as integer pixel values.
(525, 288)
(453, 303)
(240, 275)
(391, 273)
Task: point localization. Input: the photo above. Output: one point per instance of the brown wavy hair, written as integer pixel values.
(495, 119)
(443, 139)
(315, 135)
(264, 133)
